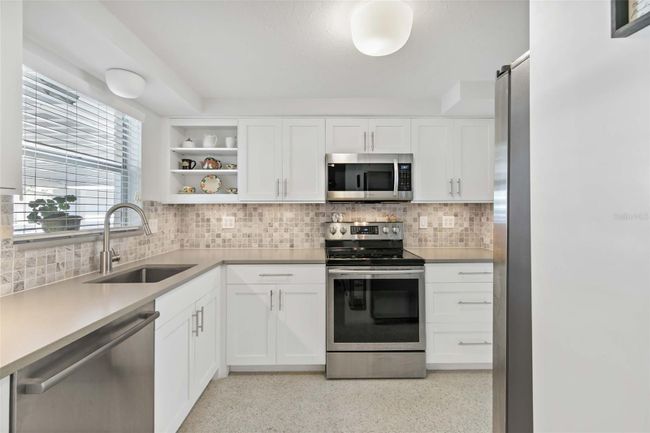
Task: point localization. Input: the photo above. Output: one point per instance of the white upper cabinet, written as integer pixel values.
(347, 135)
(453, 160)
(474, 159)
(358, 135)
(432, 151)
(303, 160)
(11, 76)
(390, 135)
(260, 152)
(282, 160)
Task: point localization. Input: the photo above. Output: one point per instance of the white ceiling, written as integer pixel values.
(284, 49)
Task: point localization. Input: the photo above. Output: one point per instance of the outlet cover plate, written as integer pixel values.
(228, 222)
(448, 222)
(424, 222)
(153, 225)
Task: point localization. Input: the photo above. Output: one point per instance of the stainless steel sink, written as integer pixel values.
(145, 274)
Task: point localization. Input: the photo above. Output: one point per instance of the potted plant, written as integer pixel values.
(52, 216)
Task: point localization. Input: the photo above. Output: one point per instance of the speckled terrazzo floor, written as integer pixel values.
(444, 402)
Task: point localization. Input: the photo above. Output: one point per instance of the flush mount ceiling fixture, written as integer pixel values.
(124, 83)
(381, 27)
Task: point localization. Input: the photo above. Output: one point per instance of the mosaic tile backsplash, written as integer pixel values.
(256, 226)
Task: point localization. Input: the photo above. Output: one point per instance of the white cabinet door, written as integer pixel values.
(11, 76)
(347, 135)
(205, 347)
(474, 160)
(301, 324)
(432, 153)
(173, 371)
(4, 404)
(251, 324)
(303, 156)
(260, 153)
(390, 135)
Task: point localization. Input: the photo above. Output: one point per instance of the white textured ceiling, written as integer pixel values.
(302, 49)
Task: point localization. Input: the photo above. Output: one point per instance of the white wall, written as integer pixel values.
(590, 169)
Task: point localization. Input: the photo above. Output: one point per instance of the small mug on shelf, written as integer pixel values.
(187, 164)
(230, 142)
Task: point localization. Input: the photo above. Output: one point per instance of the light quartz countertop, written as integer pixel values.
(451, 255)
(37, 322)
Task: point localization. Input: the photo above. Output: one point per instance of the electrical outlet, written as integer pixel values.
(448, 222)
(424, 222)
(153, 225)
(228, 222)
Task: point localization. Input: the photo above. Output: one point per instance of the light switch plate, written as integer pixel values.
(228, 222)
(424, 222)
(448, 222)
(153, 225)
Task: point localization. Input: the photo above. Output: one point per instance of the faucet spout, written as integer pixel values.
(106, 255)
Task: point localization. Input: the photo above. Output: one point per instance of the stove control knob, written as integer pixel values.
(395, 229)
(333, 229)
(385, 230)
(343, 230)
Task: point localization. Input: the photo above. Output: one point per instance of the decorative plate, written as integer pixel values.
(210, 184)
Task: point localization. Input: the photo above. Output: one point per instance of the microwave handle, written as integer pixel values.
(395, 177)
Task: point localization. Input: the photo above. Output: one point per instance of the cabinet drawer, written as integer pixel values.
(458, 302)
(458, 273)
(175, 301)
(275, 274)
(449, 345)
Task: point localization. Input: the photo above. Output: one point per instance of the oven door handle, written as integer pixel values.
(375, 272)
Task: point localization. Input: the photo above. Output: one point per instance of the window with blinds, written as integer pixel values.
(80, 157)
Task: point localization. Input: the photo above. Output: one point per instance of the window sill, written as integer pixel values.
(42, 240)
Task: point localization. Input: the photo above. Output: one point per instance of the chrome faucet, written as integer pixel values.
(108, 255)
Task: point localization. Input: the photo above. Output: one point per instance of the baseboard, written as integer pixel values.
(461, 366)
(276, 368)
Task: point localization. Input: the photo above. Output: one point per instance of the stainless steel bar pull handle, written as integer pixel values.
(40, 385)
(474, 343)
(372, 140)
(277, 187)
(271, 293)
(458, 184)
(375, 272)
(365, 141)
(475, 273)
(195, 318)
(280, 301)
(284, 187)
(474, 303)
(275, 275)
(199, 326)
(451, 187)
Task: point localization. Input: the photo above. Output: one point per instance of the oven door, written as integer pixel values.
(375, 309)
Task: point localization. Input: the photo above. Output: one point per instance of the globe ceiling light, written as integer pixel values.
(125, 83)
(381, 27)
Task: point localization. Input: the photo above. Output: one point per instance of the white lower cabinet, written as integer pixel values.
(4, 404)
(276, 315)
(186, 348)
(459, 315)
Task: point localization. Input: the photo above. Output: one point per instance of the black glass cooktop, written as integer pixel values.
(373, 255)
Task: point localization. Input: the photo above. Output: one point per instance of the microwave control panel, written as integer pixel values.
(404, 172)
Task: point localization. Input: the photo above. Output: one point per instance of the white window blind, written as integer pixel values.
(75, 146)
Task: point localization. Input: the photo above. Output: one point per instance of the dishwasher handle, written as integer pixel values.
(40, 385)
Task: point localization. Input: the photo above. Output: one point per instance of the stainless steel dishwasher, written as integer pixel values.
(103, 382)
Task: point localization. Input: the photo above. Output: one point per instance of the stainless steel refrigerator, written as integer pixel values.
(512, 355)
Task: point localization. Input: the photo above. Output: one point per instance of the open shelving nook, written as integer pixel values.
(197, 129)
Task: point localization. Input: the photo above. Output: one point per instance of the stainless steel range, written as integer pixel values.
(375, 303)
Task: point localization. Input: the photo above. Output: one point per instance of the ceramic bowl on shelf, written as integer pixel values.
(210, 184)
(230, 166)
(232, 190)
(188, 143)
(211, 164)
(187, 190)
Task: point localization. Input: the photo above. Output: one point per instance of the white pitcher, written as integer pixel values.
(210, 141)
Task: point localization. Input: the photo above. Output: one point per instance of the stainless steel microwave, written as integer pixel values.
(369, 177)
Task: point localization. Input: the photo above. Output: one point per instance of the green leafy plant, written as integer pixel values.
(43, 209)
